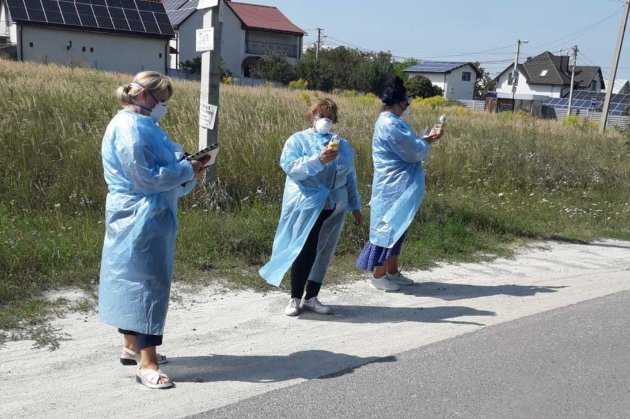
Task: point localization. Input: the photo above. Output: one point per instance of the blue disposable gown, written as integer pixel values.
(310, 187)
(398, 184)
(145, 179)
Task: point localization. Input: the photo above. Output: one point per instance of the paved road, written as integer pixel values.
(569, 362)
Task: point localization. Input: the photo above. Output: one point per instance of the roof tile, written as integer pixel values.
(269, 18)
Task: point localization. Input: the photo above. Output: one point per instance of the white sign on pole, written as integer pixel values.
(205, 40)
(207, 115)
(206, 4)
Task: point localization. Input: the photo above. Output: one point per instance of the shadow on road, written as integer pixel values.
(267, 369)
(379, 314)
(451, 292)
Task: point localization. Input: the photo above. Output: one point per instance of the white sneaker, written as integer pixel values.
(314, 305)
(293, 308)
(384, 284)
(399, 279)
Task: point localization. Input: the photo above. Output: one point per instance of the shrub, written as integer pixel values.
(419, 86)
(274, 67)
(432, 102)
(299, 84)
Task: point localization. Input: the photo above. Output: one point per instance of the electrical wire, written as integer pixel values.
(582, 31)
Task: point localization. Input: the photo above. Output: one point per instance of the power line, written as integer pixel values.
(582, 31)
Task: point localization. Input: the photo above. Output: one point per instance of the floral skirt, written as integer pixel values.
(373, 256)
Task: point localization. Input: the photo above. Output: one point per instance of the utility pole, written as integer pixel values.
(319, 43)
(209, 44)
(515, 72)
(575, 51)
(613, 70)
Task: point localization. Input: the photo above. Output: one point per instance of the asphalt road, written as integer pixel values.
(569, 362)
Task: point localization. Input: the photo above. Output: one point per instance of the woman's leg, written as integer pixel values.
(130, 342)
(392, 265)
(380, 270)
(148, 353)
(302, 265)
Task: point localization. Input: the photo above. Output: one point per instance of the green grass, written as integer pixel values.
(495, 180)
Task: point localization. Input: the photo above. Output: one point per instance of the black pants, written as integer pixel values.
(301, 268)
(144, 341)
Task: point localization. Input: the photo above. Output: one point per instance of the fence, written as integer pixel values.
(595, 116)
(475, 105)
(560, 114)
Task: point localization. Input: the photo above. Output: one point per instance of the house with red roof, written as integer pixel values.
(248, 32)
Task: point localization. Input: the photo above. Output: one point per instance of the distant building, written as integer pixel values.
(548, 75)
(620, 86)
(115, 35)
(249, 31)
(456, 79)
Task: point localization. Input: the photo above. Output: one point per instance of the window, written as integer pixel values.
(91, 49)
(466, 76)
(30, 44)
(510, 78)
(160, 55)
(594, 85)
(83, 49)
(543, 73)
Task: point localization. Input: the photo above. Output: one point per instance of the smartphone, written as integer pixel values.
(440, 124)
(211, 150)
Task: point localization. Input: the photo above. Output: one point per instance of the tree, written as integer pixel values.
(274, 67)
(194, 67)
(485, 84)
(419, 86)
(400, 66)
(346, 69)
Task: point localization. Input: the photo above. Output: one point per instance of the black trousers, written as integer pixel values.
(302, 265)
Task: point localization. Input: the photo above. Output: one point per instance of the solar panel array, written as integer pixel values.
(110, 15)
(591, 101)
(179, 10)
(435, 66)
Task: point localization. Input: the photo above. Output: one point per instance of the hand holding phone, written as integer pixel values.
(211, 150)
(439, 126)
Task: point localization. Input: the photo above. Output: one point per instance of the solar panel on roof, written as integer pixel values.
(178, 16)
(124, 15)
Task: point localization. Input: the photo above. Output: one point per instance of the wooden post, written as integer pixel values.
(209, 44)
(613, 70)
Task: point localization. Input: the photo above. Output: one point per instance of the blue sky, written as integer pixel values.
(463, 28)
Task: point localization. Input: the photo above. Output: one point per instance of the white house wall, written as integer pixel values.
(187, 39)
(452, 84)
(437, 79)
(232, 42)
(110, 52)
(4, 19)
(523, 88)
(458, 89)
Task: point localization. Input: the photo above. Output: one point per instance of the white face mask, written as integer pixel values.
(323, 125)
(159, 111)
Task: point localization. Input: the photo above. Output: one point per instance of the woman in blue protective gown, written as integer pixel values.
(398, 155)
(320, 189)
(145, 176)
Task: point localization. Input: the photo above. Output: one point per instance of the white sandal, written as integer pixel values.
(129, 357)
(151, 378)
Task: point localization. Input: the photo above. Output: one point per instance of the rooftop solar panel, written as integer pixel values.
(435, 66)
(138, 16)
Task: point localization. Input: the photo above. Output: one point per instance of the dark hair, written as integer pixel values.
(395, 91)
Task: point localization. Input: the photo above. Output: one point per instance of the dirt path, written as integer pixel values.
(226, 347)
